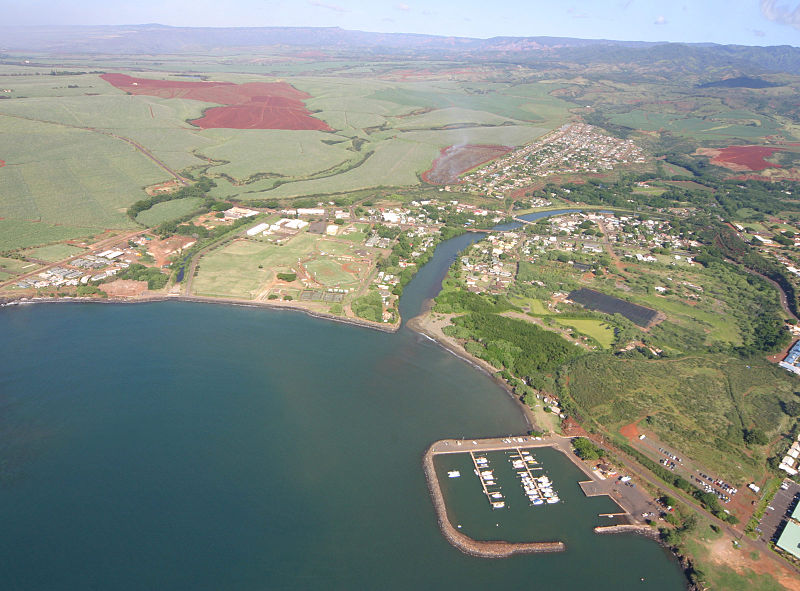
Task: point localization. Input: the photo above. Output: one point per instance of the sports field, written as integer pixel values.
(248, 268)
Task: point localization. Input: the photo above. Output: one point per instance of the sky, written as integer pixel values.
(746, 22)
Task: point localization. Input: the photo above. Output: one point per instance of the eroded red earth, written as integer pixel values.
(253, 105)
(745, 157)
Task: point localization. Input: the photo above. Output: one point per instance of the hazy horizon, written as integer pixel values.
(741, 22)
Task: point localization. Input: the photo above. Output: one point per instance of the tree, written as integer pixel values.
(585, 449)
(755, 437)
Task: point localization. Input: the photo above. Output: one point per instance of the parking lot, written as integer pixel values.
(782, 505)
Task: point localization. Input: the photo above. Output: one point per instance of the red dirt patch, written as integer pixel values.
(743, 157)
(2, 163)
(254, 105)
(454, 160)
(629, 431)
(125, 288)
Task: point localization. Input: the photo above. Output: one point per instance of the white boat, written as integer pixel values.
(498, 505)
(552, 500)
(453, 474)
(538, 502)
(497, 495)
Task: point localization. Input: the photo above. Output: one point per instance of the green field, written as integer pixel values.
(53, 252)
(233, 271)
(597, 329)
(279, 152)
(20, 234)
(47, 178)
(168, 210)
(699, 405)
(718, 126)
(17, 266)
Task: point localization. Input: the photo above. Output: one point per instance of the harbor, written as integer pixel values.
(531, 494)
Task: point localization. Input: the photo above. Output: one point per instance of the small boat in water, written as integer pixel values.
(498, 505)
(552, 500)
(453, 474)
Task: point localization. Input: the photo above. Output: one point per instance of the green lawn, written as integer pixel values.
(597, 329)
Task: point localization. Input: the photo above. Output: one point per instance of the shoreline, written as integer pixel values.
(28, 300)
(423, 324)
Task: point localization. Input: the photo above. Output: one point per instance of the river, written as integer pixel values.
(178, 445)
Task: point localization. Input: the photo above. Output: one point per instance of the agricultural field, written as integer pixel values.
(719, 126)
(168, 210)
(46, 179)
(15, 234)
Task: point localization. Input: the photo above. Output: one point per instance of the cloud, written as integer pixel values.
(403, 6)
(333, 7)
(660, 20)
(780, 14)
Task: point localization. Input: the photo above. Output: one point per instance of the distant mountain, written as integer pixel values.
(160, 39)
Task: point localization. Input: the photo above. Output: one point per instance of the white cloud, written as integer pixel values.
(660, 20)
(781, 14)
(403, 6)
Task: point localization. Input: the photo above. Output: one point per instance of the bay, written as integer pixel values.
(187, 446)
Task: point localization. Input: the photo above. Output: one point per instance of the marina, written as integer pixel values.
(538, 489)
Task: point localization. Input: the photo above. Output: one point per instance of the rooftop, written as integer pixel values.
(790, 539)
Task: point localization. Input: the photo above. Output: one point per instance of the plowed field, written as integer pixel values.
(253, 105)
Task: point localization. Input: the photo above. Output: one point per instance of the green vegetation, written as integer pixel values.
(288, 277)
(700, 405)
(154, 277)
(369, 307)
(586, 450)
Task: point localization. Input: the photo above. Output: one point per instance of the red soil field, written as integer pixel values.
(745, 157)
(2, 163)
(254, 105)
(454, 160)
